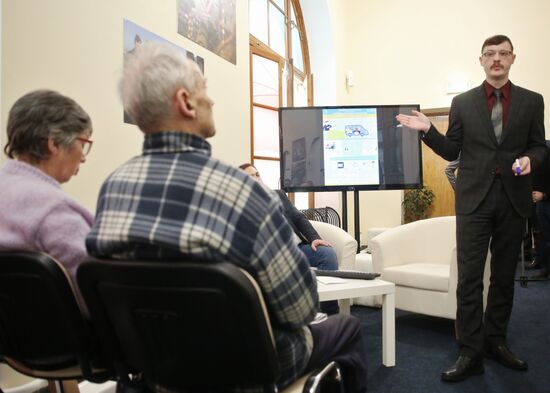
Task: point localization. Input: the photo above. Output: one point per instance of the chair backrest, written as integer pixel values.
(181, 325)
(323, 214)
(42, 331)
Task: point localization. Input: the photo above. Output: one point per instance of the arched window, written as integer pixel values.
(279, 76)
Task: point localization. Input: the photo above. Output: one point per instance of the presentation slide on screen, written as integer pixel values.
(350, 146)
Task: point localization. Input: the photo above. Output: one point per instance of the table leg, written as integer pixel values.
(388, 330)
(344, 306)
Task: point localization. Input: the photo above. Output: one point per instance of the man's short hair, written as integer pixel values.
(152, 74)
(496, 40)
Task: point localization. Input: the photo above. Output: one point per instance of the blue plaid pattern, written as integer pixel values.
(175, 202)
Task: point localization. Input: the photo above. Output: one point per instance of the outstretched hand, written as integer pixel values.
(417, 121)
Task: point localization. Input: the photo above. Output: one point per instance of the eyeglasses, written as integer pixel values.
(501, 53)
(255, 174)
(86, 145)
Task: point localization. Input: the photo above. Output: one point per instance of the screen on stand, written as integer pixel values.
(348, 148)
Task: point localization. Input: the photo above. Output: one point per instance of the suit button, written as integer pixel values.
(492, 172)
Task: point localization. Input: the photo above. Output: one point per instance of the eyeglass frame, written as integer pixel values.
(87, 145)
(501, 53)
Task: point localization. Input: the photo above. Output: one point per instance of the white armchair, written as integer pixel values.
(343, 243)
(13, 382)
(420, 258)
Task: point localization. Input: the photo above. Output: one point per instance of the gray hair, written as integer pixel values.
(43, 114)
(152, 74)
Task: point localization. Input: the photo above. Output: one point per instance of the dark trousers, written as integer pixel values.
(495, 225)
(543, 216)
(339, 338)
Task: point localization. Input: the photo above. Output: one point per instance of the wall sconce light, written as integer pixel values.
(349, 79)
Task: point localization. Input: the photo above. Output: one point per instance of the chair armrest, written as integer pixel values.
(390, 248)
(343, 243)
(329, 378)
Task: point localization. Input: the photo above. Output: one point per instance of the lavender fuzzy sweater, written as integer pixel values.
(36, 214)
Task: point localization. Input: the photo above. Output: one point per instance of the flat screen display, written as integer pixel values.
(348, 148)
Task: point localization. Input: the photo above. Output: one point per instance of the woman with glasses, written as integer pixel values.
(48, 138)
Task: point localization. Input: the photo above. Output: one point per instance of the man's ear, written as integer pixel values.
(52, 147)
(184, 104)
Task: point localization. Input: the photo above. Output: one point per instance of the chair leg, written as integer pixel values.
(65, 386)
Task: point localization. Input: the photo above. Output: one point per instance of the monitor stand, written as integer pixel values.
(355, 215)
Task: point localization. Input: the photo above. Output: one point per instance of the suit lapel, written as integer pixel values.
(480, 101)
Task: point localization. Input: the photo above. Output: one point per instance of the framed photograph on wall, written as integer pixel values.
(211, 24)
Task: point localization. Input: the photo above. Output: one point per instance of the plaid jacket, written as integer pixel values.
(176, 202)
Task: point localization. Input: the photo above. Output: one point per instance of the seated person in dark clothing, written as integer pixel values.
(319, 252)
(541, 195)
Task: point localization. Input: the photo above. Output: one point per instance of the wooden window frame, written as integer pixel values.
(260, 48)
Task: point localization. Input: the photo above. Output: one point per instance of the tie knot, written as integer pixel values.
(497, 94)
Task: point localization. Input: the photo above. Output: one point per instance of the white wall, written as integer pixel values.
(320, 41)
(406, 51)
(75, 47)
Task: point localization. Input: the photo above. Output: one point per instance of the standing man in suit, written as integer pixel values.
(498, 130)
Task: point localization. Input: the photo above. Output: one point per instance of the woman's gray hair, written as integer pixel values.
(43, 114)
(152, 74)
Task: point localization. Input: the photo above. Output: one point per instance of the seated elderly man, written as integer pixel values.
(319, 252)
(177, 202)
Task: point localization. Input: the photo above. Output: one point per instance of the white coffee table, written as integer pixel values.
(349, 289)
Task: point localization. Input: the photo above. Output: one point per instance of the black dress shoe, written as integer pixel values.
(503, 355)
(464, 367)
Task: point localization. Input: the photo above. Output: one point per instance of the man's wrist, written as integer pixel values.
(423, 133)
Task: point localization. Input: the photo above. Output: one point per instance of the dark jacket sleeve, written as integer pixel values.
(447, 146)
(299, 223)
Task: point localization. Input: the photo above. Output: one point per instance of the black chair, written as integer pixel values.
(185, 326)
(323, 214)
(42, 331)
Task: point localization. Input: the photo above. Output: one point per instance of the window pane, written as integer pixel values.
(266, 132)
(301, 200)
(257, 19)
(269, 172)
(292, 14)
(297, 49)
(284, 85)
(277, 30)
(265, 81)
(300, 92)
(280, 3)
